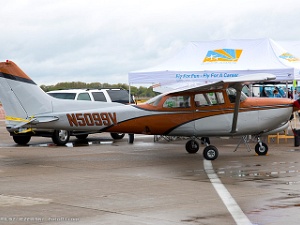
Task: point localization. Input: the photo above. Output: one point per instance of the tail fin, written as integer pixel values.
(20, 96)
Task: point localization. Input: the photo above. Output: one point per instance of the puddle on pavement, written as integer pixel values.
(294, 150)
(88, 143)
(81, 143)
(250, 171)
(254, 174)
(75, 144)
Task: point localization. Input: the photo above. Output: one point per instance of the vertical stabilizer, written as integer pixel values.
(19, 95)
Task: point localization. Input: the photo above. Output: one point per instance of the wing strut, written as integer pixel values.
(238, 87)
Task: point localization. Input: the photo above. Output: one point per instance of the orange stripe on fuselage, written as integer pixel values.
(262, 102)
(11, 68)
(153, 124)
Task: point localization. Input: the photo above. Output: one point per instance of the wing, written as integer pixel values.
(237, 83)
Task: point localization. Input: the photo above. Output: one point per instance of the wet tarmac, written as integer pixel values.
(101, 181)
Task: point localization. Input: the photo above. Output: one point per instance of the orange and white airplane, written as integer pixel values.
(216, 109)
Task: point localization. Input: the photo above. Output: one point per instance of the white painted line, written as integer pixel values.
(238, 215)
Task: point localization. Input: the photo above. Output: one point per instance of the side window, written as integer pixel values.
(121, 96)
(220, 97)
(177, 102)
(99, 96)
(210, 98)
(84, 96)
(63, 95)
(200, 100)
(231, 92)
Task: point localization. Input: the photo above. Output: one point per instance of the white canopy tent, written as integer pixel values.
(291, 46)
(207, 61)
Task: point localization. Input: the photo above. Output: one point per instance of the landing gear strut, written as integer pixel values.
(261, 148)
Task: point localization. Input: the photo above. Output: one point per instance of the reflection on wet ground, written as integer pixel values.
(255, 172)
(88, 143)
(294, 150)
(76, 143)
(80, 143)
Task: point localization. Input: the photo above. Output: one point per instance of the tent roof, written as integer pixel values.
(206, 61)
(291, 46)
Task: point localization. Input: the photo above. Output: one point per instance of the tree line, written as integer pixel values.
(138, 92)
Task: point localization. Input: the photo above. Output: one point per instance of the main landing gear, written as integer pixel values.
(210, 152)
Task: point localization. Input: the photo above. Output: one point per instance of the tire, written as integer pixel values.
(21, 140)
(210, 152)
(261, 150)
(130, 138)
(81, 136)
(60, 137)
(117, 136)
(192, 146)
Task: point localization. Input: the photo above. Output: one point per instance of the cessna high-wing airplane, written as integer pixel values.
(216, 109)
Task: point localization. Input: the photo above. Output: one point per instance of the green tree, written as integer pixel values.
(138, 92)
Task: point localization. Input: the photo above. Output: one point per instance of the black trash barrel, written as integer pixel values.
(296, 137)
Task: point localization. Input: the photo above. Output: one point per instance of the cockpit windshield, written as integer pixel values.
(155, 100)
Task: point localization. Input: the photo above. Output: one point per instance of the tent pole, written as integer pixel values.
(129, 93)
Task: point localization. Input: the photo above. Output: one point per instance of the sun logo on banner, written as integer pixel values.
(289, 57)
(223, 55)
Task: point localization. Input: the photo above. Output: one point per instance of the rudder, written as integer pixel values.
(19, 95)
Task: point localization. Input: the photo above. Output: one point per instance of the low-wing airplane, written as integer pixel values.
(216, 109)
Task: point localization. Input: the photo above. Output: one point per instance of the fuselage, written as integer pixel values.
(255, 116)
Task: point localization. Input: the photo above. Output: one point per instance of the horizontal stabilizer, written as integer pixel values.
(44, 119)
(33, 120)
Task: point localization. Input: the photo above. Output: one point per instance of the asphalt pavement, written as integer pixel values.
(101, 181)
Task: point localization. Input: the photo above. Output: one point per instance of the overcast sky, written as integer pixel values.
(101, 41)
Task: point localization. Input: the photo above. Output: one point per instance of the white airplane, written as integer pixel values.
(216, 109)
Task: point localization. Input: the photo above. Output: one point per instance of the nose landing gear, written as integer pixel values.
(261, 148)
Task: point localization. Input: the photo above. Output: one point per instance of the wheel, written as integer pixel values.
(21, 140)
(210, 152)
(117, 136)
(261, 150)
(82, 136)
(130, 138)
(60, 137)
(192, 146)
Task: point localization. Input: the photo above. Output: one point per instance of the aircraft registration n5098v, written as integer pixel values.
(216, 109)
